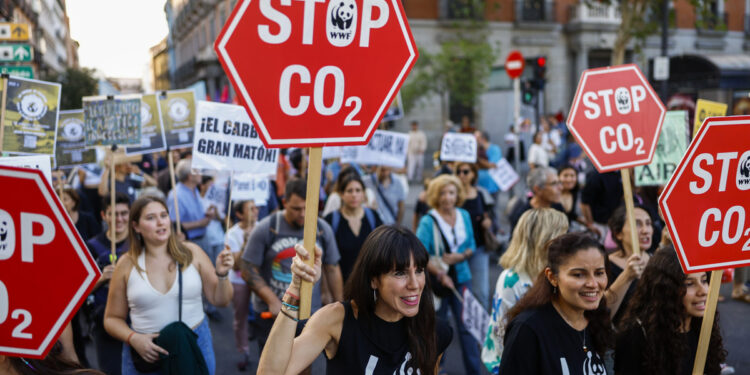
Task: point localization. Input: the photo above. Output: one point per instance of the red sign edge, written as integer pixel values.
(219, 48)
(707, 123)
(88, 261)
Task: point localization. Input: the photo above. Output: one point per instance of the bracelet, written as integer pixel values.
(222, 277)
(289, 316)
(291, 307)
(293, 296)
(129, 336)
(290, 300)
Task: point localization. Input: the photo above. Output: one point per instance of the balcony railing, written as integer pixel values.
(595, 13)
(535, 11)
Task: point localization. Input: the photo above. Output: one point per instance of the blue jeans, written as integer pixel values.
(205, 343)
(469, 346)
(479, 264)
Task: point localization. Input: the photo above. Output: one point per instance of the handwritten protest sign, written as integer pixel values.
(474, 316)
(112, 121)
(385, 148)
(178, 117)
(152, 129)
(71, 146)
(706, 108)
(504, 175)
(40, 162)
(31, 111)
(672, 145)
(249, 186)
(225, 139)
(458, 147)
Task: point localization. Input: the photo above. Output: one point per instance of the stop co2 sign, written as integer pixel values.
(313, 72)
(706, 203)
(616, 117)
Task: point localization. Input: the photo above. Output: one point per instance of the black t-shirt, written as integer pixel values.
(349, 244)
(539, 341)
(630, 346)
(87, 226)
(603, 193)
(476, 208)
(377, 348)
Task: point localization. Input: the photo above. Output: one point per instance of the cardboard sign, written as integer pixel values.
(504, 175)
(152, 129)
(71, 147)
(474, 316)
(31, 111)
(115, 121)
(178, 116)
(225, 139)
(385, 148)
(458, 147)
(40, 162)
(705, 109)
(673, 142)
(248, 186)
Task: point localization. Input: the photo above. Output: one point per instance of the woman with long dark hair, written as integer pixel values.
(144, 286)
(55, 363)
(561, 325)
(662, 337)
(387, 323)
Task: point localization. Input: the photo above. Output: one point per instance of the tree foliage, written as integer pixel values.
(76, 83)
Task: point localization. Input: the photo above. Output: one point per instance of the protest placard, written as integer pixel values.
(396, 110)
(71, 147)
(504, 175)
(152, 129)
(474, 316)
(31, 111)
(672, 145)
(706, 108)
(112, 120)
(385, 148)
(40, 162)
(225, 139)
(216, 194)
(458, 147)
(178, 117)
(249, 186)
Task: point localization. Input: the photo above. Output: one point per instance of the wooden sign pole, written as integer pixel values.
(170, 161)
(629, 208)
(708, 322)
(113, 214)
(311, 225)
(229, 202)
(2, 110)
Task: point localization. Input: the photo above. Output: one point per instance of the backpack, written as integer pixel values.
(336, 219)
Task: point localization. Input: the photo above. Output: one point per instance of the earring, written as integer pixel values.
(374, 295)
(554, 289)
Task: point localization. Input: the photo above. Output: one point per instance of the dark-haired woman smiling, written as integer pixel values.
(386, 326)
(561, 325)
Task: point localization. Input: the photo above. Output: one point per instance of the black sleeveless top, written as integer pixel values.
(377, 347)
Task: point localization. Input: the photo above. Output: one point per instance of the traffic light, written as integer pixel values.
(528, 92)
(540, 72)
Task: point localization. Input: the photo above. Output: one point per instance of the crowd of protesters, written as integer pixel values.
(574, 296)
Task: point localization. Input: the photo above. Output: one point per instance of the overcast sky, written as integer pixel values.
(115, 35)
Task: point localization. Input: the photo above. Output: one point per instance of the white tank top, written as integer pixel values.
(150, 310)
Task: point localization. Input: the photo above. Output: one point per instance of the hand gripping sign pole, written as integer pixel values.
(311, 225)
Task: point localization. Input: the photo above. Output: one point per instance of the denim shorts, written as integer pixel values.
(205, 343)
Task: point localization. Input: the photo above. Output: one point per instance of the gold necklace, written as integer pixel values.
(583, 334)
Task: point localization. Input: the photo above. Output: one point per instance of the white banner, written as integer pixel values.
(331, 152)
(385, 148)
(40, 162)
(225, 139)
(475, 317)
(504, 175)
(248, 186)
(459, 147)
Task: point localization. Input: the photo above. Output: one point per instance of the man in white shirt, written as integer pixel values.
(415, 153)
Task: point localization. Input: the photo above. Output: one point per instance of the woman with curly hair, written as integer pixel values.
(562, 325)
(662, 338)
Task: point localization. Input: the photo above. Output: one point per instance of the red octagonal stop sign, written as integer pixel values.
(46, 271)
(314, 72)
(706, 203)
(616, 117)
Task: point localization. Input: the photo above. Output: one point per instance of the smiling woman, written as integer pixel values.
(561, 325)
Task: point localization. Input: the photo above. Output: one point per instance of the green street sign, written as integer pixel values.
(18, 71)
(15, 52)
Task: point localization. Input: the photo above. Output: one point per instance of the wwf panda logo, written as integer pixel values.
(342, 22)
(7, 235)
(743, 172)
(622, 100)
